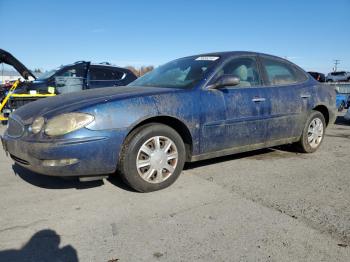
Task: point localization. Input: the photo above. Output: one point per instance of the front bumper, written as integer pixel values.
(96, 154)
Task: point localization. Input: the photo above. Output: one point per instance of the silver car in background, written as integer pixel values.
(338, 76)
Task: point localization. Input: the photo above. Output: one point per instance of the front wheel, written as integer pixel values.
(313, 133)
(152, 158)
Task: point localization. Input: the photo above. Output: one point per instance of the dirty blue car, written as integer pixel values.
(190, 109)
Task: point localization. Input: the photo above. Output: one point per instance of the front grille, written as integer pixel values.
(15, 128)
(19, 160)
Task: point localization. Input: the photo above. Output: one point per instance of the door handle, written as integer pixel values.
(305, 96)
(258, 99)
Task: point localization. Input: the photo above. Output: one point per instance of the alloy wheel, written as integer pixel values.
(315, 132)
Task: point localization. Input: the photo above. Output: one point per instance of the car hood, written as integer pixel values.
(7, 58)
(76, 101)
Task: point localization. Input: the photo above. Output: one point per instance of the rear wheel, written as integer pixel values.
(313, 133)
(152, 158)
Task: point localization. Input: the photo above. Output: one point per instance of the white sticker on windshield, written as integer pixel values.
(207, 58)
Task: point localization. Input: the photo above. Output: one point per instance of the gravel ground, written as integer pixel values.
(267, 205)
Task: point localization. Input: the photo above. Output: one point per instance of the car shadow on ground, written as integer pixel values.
(42, 246)
(116, 180)
(49, 182)
(284, 151)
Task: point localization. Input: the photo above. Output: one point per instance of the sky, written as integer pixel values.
(46, 34)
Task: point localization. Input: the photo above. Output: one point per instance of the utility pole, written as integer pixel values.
(336, 63)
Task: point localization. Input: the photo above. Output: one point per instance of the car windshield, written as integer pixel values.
(180, 73)
(48, 74)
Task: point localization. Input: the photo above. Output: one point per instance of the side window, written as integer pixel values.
(280, 73)
(70, 79)
(118, 74)
(73, 71)
(243, 68)
(102, 73)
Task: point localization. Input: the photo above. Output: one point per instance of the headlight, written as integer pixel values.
(66, 123)
(37, 125)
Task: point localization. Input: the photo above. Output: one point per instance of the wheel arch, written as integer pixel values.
(324, 111)
(178, 125)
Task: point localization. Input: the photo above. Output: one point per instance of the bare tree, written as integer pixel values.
(140, 71)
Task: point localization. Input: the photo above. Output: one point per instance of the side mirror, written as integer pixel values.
(225, 80)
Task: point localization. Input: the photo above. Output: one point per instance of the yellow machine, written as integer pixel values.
(11, 94)
(6, 106)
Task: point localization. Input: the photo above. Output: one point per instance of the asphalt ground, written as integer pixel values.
(267, 205)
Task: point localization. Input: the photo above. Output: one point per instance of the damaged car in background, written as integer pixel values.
(190, 109)
(75, 77)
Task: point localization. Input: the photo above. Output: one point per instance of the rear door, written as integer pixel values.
(288, 97)
(104, 76)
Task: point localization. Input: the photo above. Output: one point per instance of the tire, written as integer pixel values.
(304, 144)
(140, 168)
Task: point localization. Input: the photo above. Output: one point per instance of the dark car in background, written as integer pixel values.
(318, 76)
(190, 109)
(81, 75)
(74, 77)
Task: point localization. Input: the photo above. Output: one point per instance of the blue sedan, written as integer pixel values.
(190, 109)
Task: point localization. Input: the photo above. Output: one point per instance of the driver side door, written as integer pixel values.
(237, 116)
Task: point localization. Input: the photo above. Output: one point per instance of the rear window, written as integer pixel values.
(281, 73)
(101, 73)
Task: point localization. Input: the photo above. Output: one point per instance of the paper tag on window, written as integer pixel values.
(207, 58)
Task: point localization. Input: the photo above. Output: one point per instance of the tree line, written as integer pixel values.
(140, 71)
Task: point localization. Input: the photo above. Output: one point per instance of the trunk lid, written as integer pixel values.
(7, 58)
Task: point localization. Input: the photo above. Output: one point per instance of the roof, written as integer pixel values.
(233, 53)
(106, 64)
